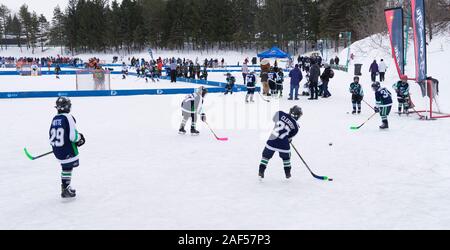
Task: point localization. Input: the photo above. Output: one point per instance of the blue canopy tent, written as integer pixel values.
(274, 52)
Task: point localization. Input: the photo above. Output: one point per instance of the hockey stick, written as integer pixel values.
(35, 157)
(215, 135)
(262, 97)
(323, 178)
(368, 105)
(356, 128)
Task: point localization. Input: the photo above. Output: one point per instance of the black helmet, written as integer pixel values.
(356, 78)
(63, 105)
(376, 86)
(296, 112)
(202, 91)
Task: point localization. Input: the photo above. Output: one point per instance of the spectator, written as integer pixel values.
(374, 70)
(296, 77)
(382, 68)
(245, 72)
(314, 75)
(336, 60)
(173, 71)
(326, 76)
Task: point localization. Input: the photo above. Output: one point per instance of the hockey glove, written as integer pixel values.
(377, 110)
(82, 141)
(203, 117)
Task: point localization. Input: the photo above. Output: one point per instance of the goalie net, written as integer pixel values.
(29, 69)
(93, 80)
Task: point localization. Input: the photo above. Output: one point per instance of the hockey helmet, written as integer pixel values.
(356, 79)
(376, 86)
(296, 112)
(404, 78)
(202, 91)
(63, 105)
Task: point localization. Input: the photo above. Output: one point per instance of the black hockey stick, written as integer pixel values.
(35, 157)
(356, 128)
(323, 178)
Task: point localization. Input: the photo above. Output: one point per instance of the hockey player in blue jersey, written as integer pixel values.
(384, 103)
(231, 80)
(251, 87)
(402, 90)
(286, 128)
(280, 81)
(65, 140)
(357, 95)
(191, 108)
(272, 75)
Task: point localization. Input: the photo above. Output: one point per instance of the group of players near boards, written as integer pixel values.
(65, 138)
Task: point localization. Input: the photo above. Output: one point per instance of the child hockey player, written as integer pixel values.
(402, 89)
(384, 103)
(191, 108)
(357, 95)
(231, 80)
(286, 128)
(65, 140)
(57, 70)
(251, 86)
(124, 71)
(272, 80)
(280, 81)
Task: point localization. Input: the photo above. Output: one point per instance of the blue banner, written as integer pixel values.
(394, 20)
(420, 40)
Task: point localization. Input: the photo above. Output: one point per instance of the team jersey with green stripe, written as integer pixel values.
(63, 137)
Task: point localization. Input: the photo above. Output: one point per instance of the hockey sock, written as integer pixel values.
(251, 97)
(246, 97)
(354, 107)
(183, 123)
(66, 177)
(359, 107)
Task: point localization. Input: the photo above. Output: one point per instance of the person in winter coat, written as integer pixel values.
(374, 70)
(245, 71)
(296, 77)
(382, 68)
(325, 77)
(314, 75)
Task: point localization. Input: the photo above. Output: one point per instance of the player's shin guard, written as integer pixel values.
(66, 178)
(262, 167)
(287, 168)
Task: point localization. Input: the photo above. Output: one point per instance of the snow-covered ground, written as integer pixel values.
(137, 173)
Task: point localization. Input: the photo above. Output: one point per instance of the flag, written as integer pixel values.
(394, 20)
(420, 43)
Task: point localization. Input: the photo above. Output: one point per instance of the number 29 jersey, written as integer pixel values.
(63, 135)
(285, 129)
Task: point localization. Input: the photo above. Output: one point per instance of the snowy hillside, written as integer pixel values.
(137, 173)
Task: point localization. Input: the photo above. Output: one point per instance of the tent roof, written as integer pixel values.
(274, 52)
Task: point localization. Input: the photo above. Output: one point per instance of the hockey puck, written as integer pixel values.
(330, 144)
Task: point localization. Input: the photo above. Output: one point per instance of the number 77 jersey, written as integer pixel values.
(63, 136)
(286, 127)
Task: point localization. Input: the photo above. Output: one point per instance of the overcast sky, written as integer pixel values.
(39, 6)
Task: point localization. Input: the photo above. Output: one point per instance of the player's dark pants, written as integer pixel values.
(272, 86)
(384, 113)
(187, 116)
(66, 174)
(268, 154)
(229, 88)
(280, 88)
(373, 77)
(403, 102)
(356, 101)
